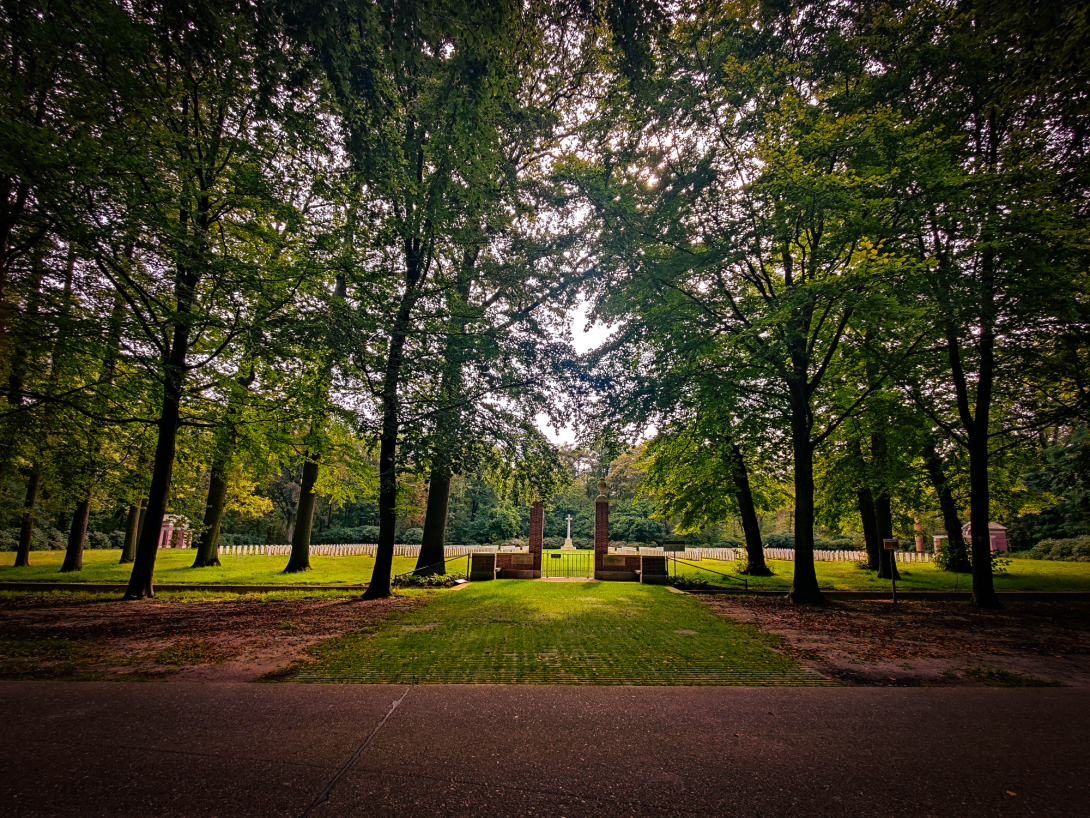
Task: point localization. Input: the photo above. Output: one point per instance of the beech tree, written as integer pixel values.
(190, 148)
(758, 207)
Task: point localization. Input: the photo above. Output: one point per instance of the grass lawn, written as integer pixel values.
(172, 566)
(514, 632)
(1022, 575)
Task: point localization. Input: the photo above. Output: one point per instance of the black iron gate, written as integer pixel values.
(567, 564)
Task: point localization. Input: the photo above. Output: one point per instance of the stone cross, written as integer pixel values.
(568, 518)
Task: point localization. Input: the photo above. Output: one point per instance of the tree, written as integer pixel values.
(177, 222)
(752, 202)
(995, 219)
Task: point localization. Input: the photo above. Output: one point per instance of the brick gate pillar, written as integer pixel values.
(601, 528)
(537, 530)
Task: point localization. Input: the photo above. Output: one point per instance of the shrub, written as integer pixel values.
(98, 540)
(685, 583)
(239, 539)
(779, 541)
(9, 539)
(1073, 549)
(552, 542)
(947, 559)
(412, 536)
(429, 581)
(351, 536)
(831, 544)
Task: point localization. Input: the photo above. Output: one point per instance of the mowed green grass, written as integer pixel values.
(593, 633)
(1023, 575)
(172, 566)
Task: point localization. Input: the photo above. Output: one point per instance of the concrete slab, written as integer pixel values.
(90, 749)
(715, 751)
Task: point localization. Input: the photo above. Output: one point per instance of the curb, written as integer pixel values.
(916, 596)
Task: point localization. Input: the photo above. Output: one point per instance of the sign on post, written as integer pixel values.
(892, 545)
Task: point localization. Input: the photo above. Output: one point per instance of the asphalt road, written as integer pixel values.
(175, 749)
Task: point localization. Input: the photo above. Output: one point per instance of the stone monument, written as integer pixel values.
(568, 543)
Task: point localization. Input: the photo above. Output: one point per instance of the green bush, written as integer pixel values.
(98, 540)
(364, 534)
(1073, 549)
(779, 541)
(835, 544)
(412, 536)
(240, 539)
(431, 581)
(946, 559)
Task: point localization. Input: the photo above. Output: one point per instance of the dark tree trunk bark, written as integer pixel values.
(26, 529)
(132, 531)
(751, 526)
(77, 537)
(804, 584)
(432, 558)
(873, 542)
(208, 550)
(883, 514)
(304, 519)
(959, 556)
(979, 519)
(141, 581)
(379, 587)
(883, 519)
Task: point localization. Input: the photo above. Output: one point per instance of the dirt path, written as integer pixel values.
(233, 639)
(927, 643)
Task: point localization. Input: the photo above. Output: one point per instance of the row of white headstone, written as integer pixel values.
(350, 550)
(695, 554)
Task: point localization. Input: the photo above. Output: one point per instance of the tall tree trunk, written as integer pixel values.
(979, 489)
(304, 519)
(883, 520)
(804, 584)
(208, 549)
(141, 581)
(865, 504)
(959, 557)
(432, 559)
(132, 530)
(979, 520)
(26, 529)
(77, 537)
(208, 554)
(379, 587)
(883, 513)
(751, 526)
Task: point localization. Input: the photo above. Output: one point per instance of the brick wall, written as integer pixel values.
(537, 530)
(654, 565)
(601, 531)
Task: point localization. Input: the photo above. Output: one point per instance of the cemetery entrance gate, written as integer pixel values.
(567, 564)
